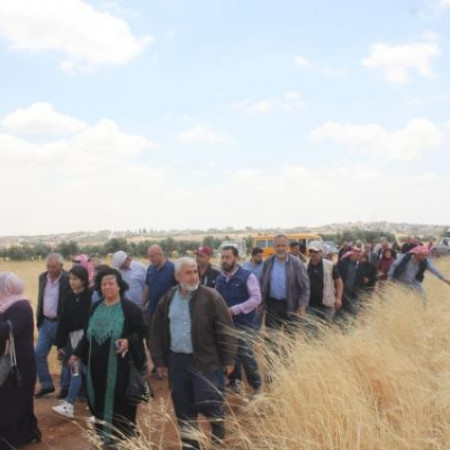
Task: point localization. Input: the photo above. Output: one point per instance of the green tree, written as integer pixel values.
(68, 248)
(115, 244)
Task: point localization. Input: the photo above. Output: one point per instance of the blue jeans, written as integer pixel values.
(46, 337)
(76, 380)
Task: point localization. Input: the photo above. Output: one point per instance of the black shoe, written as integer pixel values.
(62, 393)
(35, 439)
(44, 391)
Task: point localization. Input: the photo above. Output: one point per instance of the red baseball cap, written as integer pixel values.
(205, 250)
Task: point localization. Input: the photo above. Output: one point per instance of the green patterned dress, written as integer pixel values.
(108, 372)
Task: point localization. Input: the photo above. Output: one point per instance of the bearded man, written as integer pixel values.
(192, 338)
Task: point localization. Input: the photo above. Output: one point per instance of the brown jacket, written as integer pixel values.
(213, 338)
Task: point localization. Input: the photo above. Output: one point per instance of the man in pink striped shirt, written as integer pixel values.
(240, 289)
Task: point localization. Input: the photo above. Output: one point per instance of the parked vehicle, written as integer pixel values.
(266, 242)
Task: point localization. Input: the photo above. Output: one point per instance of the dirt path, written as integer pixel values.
(59, 433)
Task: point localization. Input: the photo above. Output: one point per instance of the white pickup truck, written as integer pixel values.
(442, 247)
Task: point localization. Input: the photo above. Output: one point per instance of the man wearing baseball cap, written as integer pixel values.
(133, 273)
(325, 283)
(206, 271)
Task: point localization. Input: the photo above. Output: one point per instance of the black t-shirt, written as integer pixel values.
(315, 274)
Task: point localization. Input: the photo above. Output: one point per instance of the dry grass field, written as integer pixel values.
(383, 383)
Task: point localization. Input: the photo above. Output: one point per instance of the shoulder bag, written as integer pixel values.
(9, 372)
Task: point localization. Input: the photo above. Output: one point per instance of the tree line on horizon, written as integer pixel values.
(172, 247)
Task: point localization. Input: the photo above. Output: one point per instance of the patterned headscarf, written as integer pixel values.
(85, 261)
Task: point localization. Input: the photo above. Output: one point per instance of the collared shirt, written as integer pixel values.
(51, 297)
(408, 276)
(180, 324)
(278, 279)
(256, 269)
(135, 278)
(254, 293)
(159, 281)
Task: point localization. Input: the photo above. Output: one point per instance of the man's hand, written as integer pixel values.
(338, 304)
(73, 361)
(229, 370)
(161, 371)
(122, 347)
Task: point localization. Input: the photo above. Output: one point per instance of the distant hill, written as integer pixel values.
(100, 237)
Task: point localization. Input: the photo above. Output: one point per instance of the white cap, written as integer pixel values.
(316, 245)
(119, 258)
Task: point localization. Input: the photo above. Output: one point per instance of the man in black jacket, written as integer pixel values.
(53, 286)
(192, 337)
(207, 273)
(353, 273)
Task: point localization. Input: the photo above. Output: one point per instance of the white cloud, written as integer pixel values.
(444, 4)
(203, 135)
(409, 143)
(301, 61)
(41, 118)
(102, 177)
(331, 189)
(82, 181)
(289, 101)
(87, 38)
(397, 61)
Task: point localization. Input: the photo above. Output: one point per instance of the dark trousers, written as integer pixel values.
(277, 320)
(277, 316)
(195, 392)
(246, 359)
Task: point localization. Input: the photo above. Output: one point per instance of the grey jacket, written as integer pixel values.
(297, 282)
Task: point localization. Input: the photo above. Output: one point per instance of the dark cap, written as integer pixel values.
(204, 250)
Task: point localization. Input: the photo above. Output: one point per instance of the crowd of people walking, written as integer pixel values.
(187, 320)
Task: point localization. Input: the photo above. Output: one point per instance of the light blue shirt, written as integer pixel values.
(257, 270)
(278, 280)
(135, 278)
(408, 277)
(180, 324)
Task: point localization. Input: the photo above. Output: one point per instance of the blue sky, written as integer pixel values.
(176, 114)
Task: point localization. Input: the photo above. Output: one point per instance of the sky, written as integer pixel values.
(175, 114)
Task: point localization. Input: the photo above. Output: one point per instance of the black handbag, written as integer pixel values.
(9, 372)
(138, 388)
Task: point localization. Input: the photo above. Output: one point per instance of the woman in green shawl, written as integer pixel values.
(114, 335)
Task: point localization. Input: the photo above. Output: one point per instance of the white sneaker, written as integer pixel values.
(64, 409)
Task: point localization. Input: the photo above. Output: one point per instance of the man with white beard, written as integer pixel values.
(192, 339)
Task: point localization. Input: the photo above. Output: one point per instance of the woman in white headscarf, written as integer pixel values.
(18, 424)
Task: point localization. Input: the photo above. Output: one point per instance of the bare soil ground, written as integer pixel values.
(60, 433)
